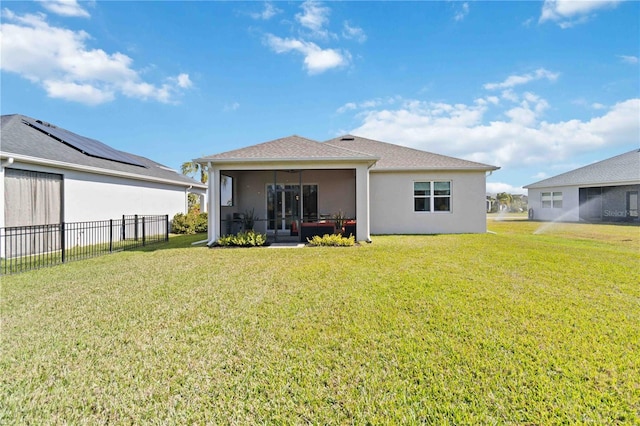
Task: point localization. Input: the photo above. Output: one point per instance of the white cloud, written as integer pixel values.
(509, 95)
(353, 33)
(462, 12)
(570, 24)
(568, 13)
(517, 80)
(183, 81)
(142, 90)
(83, 93)
(316, 60)
(69, 8)
(368, 104)
(522, 138)
(267, 13)
(314, 17)
(584, 103)
(349, 106)
(628, 59)
(312, 23)
(58, 60)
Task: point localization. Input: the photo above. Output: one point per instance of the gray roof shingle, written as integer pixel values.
(20, 139)
(396, 157)
(386, 156)
(623, 168)
(288, 148)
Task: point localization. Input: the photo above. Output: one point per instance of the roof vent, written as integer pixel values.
(44, 123)
(347, 138)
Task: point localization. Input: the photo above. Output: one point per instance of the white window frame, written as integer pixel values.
(551, 199)
(431, 197)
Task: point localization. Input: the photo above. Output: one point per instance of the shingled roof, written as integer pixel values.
(396, 157)
(384, 156)
(290, 148)
(621, 169)
(26, 143)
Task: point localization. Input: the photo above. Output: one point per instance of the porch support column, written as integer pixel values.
(362, 203)
(276, 225)
(2, 167)
(300, 206)
(214, 204)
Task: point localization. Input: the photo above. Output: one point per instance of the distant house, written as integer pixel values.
(606, 191)
(51, 175)
(296, 186)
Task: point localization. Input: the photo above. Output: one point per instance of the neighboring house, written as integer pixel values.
(51, 175)
(606, 191)
(294, 183)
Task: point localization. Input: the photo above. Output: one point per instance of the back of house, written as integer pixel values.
(605, 191)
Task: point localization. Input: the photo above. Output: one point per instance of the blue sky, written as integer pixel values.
(537, 88)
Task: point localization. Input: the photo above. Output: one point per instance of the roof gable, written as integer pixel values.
(21, 139)
(289, 148)
(619, 169)
(396, 157)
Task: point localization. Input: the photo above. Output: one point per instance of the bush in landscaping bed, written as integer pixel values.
(191, 223)
(243, 239)
(334, 240)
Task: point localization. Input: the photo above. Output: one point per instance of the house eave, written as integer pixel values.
(97, 170)
(432, 169)
(291, 160)
(583, 184)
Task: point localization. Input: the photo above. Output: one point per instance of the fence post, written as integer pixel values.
(135, 227)
(62, 241)
(124, 236)
(110, 235)
(143, 233)
(166, 223)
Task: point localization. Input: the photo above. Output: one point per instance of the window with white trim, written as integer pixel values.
(433, 196)
(551, 200)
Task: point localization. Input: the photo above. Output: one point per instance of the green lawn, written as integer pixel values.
(512, 327)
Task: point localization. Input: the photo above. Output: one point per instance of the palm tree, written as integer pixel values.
(505, 199)
(190, 168)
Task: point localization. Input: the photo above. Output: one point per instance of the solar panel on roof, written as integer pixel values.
(87, 146)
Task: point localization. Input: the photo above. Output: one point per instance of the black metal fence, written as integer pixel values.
(23, 248)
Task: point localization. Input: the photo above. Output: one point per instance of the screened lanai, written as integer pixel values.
(290, 189)
(288, 205)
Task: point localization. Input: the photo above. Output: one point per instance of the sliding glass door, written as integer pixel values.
(284, 205)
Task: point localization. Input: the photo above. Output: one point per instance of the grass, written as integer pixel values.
(46, 259)
(512, 327)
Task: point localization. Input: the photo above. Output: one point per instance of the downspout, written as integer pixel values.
(3, 165)
(300, 205)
